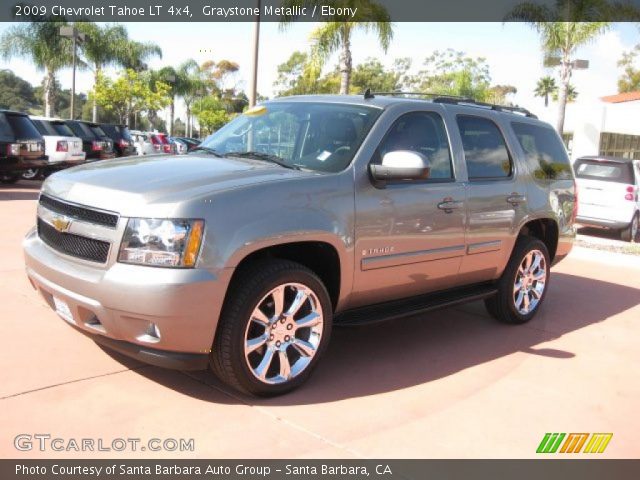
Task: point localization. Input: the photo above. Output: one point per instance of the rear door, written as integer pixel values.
(606, 189)
(495, 196)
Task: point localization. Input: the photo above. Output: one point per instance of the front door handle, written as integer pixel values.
(516, 199)
(449, 205)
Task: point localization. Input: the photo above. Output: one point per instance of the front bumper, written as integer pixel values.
(165, 317)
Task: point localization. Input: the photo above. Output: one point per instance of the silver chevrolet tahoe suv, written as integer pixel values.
(301, 214)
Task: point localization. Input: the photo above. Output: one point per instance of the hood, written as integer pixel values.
(128, 183)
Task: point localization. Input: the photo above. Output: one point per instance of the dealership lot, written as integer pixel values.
(453, 383)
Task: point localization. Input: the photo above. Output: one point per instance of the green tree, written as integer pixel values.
(210, 113)
(561, 35)
(42, 44)
(572, 94)
(545, 87)
(629, 81)
(451, 72)
(335, 34)
(299, 75)
(374, 75)
(108, 45)
(16, 93)
(497, 94)
(130, 94)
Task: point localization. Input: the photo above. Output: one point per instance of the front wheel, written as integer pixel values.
(31, 174)
(630, 234)
(523, 285)
(274, 328)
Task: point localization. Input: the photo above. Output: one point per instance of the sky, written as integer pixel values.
(512, 51)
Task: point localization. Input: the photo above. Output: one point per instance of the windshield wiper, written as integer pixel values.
(267, 157)
(205, 149)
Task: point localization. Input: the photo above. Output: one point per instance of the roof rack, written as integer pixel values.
(454, 100)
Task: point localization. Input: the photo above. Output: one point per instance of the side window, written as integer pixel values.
(545, 153)
(485, 150)
(421, 132)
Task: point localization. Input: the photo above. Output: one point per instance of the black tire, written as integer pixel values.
(249, 287)
(502, 306)
(9, 178)
(630, 234)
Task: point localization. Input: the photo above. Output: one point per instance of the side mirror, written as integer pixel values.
(400, 165)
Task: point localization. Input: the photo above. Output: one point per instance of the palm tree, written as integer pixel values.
(561, 36)
(335, 34)
(107, 45)
(545, 87)
(42, 43)
(183, 83)
(572, 94)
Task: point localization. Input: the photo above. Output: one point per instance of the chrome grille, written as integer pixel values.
(79, 213)
(73, 245)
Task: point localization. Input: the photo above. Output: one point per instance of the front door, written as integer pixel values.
(409, 237)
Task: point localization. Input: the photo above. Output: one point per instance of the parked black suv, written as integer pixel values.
(95, 142)
(21, 146)
(122, 141)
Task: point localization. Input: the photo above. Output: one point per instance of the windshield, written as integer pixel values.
(315, 136)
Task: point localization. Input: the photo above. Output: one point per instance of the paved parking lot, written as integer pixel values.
(452, 383)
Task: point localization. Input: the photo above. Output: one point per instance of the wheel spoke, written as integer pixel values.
(308, 321)
(526, 302)
(536, 293)
(519, 299)
(285, 366)
(536, 262)
(260, 318)
(298, 301)
(304, 347)
(540, 276)
(255, 343)
(527, 261)
(278, 300)
(262, 369)
(517, 286)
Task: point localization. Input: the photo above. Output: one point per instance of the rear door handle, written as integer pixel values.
(516, 199)
(448, 205)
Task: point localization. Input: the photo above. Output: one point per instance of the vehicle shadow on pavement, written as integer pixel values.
(394, 355)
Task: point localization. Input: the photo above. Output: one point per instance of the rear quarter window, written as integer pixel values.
(23, 128)
(606, 171)
(544, 151)
(6, 133)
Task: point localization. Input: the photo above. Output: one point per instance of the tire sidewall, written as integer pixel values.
(238, 329)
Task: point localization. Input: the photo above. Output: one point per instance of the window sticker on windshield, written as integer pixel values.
(323, 156)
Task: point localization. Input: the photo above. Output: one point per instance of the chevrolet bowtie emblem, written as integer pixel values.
(61, 223)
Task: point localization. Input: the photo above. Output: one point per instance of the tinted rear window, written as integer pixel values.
(23, 127)
(63, 129)
(81, 130)
(6, 133)
(98, 131)
(606, 171)
(544, 151)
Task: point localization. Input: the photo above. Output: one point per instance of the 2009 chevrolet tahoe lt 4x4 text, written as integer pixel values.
(303, 213)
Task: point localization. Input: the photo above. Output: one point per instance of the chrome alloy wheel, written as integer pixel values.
(284, 333)
(530, 282)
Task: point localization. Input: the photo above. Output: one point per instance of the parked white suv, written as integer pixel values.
(62, 147)
(142, 142)
(608, 190)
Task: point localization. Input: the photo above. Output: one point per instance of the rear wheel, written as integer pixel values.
(273, 329)
(523, 285)
(31, 174)
(630, 234)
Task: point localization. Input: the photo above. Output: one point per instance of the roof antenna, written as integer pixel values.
(368, 95)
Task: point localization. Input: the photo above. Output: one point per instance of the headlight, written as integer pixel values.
(161, 242)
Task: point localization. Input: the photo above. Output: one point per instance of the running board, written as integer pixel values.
(415, 305)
